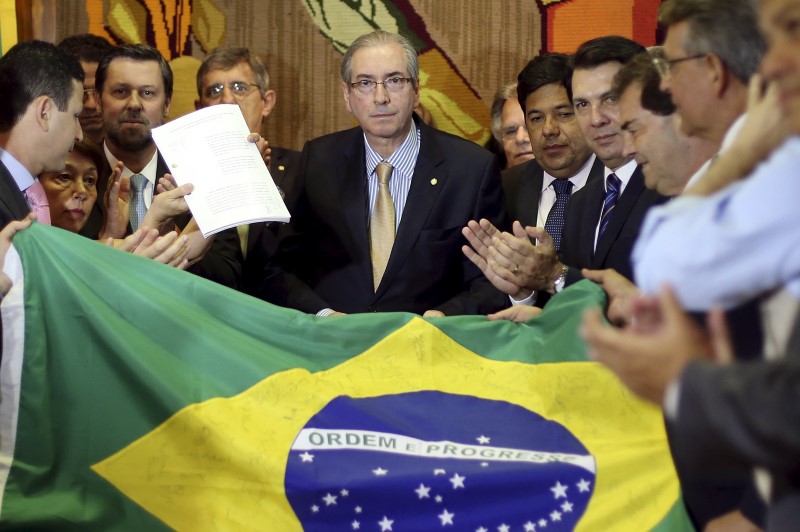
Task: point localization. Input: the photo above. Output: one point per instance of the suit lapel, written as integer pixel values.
(422, 196)
(625, 204)
(531, 190)
(595, 191)
(11, 197)
(353, 197)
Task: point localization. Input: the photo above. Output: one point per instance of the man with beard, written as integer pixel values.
(133, 85)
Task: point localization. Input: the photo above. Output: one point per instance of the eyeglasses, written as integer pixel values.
(393, 84)
(239, 89)
(87, 93)
(664, 65)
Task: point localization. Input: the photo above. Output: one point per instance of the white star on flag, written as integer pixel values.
(483, 440)
(380, 472)
(329, 499)
(555, 516)
(423, 491)
(358, 509)
(481, 529)
(542, 523)
(438, 498)
(530, 527)
(503, 528)
(315, 508)
(484, 464)
(344, 493)
(386, 524)
(356, 525)
(559, 490)
(306, 457)
(566, 507)
(439, 472)
(457, 481)
(583, 485)
(446, 517)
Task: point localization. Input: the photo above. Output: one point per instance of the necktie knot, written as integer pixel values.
(562, 186)
(613, 183)
(37, 199)
(384, 171)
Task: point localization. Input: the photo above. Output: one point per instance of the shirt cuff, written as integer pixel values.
(671, 400)
(530, 300)
(325, 312)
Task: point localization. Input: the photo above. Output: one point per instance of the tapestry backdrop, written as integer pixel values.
(468, 48)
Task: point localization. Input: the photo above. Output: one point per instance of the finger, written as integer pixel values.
(507, 314)
(539, 234)
(253, 137)
(597, 276)
(145, 246)
(487, 226)
(15, 226)
(166, 185)
(176, 253)
(475, 258)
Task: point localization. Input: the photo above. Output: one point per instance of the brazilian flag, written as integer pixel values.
(138, 397)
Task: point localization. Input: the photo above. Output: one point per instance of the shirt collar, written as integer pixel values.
(149, 170)
(578, 180)
(21, 175)
(624, 173)
(404, 157)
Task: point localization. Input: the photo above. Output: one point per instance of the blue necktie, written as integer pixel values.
(613, 185)
(554, 225)
(137, 206)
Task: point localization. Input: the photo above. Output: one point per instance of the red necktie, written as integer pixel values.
(37, 199)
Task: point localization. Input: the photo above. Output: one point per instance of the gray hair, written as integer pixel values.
(726, 28)
(376, 39)
(506, 92)
(225, 58)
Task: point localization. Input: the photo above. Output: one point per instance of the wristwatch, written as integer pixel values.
(561, 280)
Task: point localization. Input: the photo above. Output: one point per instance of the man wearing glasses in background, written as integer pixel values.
(377, 210)
(237, 76)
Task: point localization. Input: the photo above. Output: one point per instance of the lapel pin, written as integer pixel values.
(281, 168)
(434, 181)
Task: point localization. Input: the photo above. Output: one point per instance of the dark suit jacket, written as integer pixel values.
(733, 418)
(262, 241)
(522, 185)
(615, 246)
(13, 205)
(324, 252)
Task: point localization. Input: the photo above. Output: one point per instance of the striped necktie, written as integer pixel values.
(382, 225)
(613, 185)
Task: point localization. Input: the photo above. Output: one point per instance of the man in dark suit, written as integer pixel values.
(377, 210)
(133, 84)
(723, 419)
(37, 129)
(236, 75)
(602, 219)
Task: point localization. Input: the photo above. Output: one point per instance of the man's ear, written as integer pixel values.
(167, 103)
(346, 92)
(43, 108)
(718, 72)
(270, 97)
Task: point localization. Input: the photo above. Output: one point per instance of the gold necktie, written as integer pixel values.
(381, 227)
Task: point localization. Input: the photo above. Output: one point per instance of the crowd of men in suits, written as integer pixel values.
(395, 215)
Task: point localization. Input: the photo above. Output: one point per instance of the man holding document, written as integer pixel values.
(377, 210)
(134, 88)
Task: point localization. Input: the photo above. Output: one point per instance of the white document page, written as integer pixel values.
(232, 185)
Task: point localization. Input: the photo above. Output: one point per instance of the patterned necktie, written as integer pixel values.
(554, 225)
(613, 185)
(382, 225)
(37, 199)
(137, 206)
